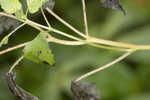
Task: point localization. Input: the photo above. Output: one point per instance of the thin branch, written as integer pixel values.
(108, 47)
(13, 48)
(105, 66)
(64, 42)
(10, 16)
(16, 29)
(7, 36)
(90, 39)
(15, 64)
(54, 30)
(65, 34)
(45, 18)
(85, 17)
(65, 23)
(118, 44)
(102, 41)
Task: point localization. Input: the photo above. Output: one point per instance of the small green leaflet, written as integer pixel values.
(4, 41)
(10, 6)
(38, 50)
(19, 14)
(34, 5)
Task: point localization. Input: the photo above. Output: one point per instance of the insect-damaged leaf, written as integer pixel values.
(84, 91)
(38, 50)
(114, 4)
(34, 5)
(10, 6)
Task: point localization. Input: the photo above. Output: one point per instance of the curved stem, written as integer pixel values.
(15, 64)
(105, 66)
(16, 29)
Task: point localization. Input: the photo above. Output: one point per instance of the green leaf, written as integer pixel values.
(34, 5)
(10, 6)
(38, 50)
(19, 14)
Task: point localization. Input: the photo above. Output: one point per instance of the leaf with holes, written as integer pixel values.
(34, 5)
(10, 6)
(38, 50)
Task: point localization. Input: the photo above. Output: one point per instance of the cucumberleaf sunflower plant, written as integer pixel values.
(38, 49)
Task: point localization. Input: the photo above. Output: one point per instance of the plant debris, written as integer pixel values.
(84, 91)
(16, 90)
(50, 4)
(114, 4)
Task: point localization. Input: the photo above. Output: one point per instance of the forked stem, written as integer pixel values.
(65, 23)
(105, 66)
(45, 18)
(90, 39)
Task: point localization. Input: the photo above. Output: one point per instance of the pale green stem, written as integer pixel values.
(16, 29)
(16, 63)
(65, 23)
(105, 66)
(45, 18)
(85, 18)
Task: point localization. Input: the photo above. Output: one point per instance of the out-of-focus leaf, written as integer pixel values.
(10, 6)
(139, 36)
(143, 74)
(84, 91)
(22, 13)
(34, 5)
(38, 50)
(139, 97)
(115, 22)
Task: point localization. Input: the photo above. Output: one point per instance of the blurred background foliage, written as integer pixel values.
(127, 80)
